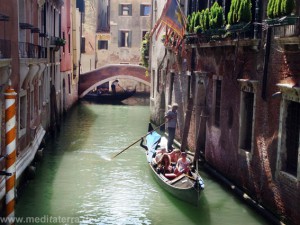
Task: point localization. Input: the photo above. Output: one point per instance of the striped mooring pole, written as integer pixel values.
(10, 138)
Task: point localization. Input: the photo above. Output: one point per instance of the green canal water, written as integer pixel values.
(76, 183)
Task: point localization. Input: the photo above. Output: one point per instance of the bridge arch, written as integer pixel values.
(88, 81)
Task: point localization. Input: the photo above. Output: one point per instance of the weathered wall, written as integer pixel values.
(260, 171)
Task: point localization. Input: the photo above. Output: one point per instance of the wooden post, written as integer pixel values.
(10, 138)
(187, 121)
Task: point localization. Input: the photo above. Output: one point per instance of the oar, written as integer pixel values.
(137, 141)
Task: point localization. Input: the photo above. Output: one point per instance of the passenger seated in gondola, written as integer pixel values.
(183, 165)
(164, 164)
(174, 156)
(158, 153)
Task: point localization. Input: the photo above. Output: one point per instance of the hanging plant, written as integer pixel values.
(60, 41)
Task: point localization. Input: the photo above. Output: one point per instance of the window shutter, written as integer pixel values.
(119, 38)
(141, 10)
(130, 10)
(83, 44)
(120, 10)
(129, 39)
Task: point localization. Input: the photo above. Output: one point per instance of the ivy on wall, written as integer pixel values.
(145, 50)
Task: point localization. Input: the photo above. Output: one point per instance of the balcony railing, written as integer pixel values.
(5, 46)
(28, 50)
(285, 27)
(223, 36)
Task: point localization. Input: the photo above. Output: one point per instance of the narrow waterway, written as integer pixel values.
(76, 180)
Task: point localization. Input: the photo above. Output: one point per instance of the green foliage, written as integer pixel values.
(278, 8)
(270, 8)
(240, 11)
(205, 19)
(196, 21)
(60, 41)
(145, 50)
(216, 18)
(287, 7)
(212, 18)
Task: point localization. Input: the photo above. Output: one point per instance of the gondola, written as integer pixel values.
(109, 97)
(185, 187)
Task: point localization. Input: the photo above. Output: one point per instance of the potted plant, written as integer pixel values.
(216, 19)
(240, 15)
(280, 12)
(60, 41)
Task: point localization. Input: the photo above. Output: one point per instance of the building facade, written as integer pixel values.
(238, 92)
(33, 61)
(112, 35)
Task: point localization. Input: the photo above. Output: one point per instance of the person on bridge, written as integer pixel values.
(114, 85)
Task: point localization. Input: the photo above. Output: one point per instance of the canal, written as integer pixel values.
(77, 183)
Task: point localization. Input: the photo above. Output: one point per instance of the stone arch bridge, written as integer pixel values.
(88, 81)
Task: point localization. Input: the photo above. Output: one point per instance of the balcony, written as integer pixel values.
(28, 50)
(229, 36)
(286, 29)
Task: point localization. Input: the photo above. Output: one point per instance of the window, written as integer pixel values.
(102, 44)
(145, 10)
(103, 16)
(125, 10)
(292, 126)
(246, 120)
(153, 83)
(82, 44)
(69, 83)
(289, 132)
(247, 114)
(144, 32)
(218, 103)
(41, 94)
(32, 113)
(64, 48)
(125, 38)
(217, 90)
(171, 88)
(69, 43)
(22, 113)
(158, 80)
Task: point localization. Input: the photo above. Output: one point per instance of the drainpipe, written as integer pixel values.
(266, 63)
(256, 19)
(10, 142)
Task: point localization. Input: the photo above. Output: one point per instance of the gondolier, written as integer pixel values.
(171, 117)
(114, 85)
